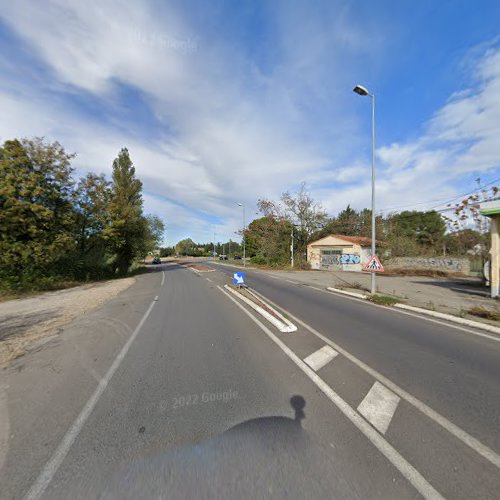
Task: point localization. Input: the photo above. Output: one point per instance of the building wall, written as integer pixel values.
(340, 257)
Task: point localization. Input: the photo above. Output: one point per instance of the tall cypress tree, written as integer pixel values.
(127, 223)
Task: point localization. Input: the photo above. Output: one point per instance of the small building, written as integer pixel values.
(339, 253)
(491, 209)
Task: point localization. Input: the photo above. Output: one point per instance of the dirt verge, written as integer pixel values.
(29, 321)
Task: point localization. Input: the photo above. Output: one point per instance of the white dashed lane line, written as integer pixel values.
(379, 406)
(395, 458)
(321, 357)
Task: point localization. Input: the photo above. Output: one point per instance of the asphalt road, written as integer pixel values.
(177, 390)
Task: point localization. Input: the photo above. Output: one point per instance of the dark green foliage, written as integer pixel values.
(53, 231)
(268, 241)
(36, 212)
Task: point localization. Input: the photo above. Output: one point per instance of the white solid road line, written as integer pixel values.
(378, 407)
(453, 429)
(282, 324)
(415, 315)
(360, 297)
(162, 278)
(402, 465)
(321, 357)
(50, 469)
(208, 279)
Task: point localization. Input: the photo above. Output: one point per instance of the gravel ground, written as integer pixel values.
(25, 323)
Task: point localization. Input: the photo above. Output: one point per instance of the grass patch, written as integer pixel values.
(482, 312)
(356, 285)
(383, 300)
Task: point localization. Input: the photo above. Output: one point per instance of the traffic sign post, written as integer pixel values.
(374, 265)
(239, 279)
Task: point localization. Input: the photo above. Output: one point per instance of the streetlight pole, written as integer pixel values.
(291, 247)
(360, 90)
(244, 242)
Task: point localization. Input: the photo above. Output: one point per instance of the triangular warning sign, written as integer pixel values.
(374, 265)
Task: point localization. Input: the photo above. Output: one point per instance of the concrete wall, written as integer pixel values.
(452, 264)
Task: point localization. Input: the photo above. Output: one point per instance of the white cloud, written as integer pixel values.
(230, 130)
(228, 142)
(460, 140)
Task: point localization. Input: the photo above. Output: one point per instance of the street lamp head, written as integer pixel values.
(359, 89)
(240, 204)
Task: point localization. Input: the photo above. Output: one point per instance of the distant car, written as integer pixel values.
(237, 257)
(222, 257)
(156, 260)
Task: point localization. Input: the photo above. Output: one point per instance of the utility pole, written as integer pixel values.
(291, 247)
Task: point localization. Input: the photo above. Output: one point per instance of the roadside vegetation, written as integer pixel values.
(482, 312)
(383, 300)
(57, 231)
(414, 233)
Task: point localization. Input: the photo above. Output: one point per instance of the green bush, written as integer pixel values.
(383, 300)
(258, 260)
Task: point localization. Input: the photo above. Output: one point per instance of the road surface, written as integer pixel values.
(175, 389)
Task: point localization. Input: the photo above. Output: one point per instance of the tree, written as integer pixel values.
(348, 222)
(427, 228)
(153, 234)
(302, 209)
(127, 225)
(268, 241)
(299, 209)
(466, 212)
(92, 199)
(36, 213)
(186, 247)
(167, 251)
(465, 241)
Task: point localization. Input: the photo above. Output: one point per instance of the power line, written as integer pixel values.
(442, 203)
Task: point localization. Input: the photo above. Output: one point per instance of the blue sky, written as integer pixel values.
(222, 102)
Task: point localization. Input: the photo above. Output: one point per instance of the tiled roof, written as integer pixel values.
(358, 240)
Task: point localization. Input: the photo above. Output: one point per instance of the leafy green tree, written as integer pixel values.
(186, 247)
(427, 228)
(153, 234)
(167, 251)
(268, 241)
(467, 240)
(348, 222)
(92, 199)
(127, 226)
(36, 212)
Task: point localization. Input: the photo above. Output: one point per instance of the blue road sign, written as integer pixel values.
(239, 278)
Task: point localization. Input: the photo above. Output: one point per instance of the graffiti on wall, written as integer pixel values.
(340, 259)
(447, 264)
